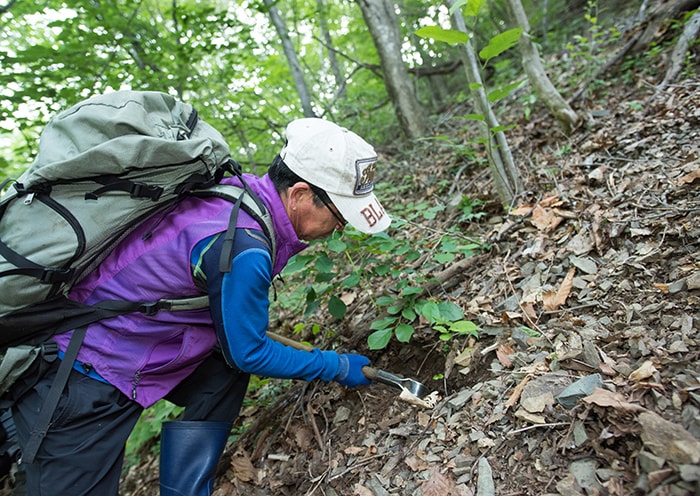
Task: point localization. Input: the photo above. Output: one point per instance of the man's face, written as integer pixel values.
(312, 219)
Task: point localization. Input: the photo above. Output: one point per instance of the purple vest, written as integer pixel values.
(146, 356)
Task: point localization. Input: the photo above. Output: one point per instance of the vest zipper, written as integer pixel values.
(137, 378)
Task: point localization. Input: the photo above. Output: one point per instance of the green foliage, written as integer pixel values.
(585, 50)
(500, 43)
(447, 319)
(352, 262)
(223, 57)
(468, 208)
(451, 36)
(147, 429)
(495, 47)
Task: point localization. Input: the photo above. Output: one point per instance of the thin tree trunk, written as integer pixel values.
(382, 22)
(290, 53)
(536, 74)
(690, 33)
(505, 175)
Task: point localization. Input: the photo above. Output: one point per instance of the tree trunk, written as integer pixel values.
(382, 22)
(659, 20)
(290, 53)
(536, 74)
(505, 175)
(690, 33)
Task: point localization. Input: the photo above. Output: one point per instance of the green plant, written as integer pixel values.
(444, 317)
(147, 429)
(586, 49)
(468, 207)
(447, 319)
(351, 263)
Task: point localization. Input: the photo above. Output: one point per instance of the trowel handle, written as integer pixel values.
(383, 377)
(370, 373)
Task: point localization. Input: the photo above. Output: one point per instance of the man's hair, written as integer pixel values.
(283, 177)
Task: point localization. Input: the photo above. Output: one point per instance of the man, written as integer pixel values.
(200, 359)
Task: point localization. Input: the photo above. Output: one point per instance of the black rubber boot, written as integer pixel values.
(189, 453)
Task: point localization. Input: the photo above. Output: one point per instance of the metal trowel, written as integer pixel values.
(411, 386)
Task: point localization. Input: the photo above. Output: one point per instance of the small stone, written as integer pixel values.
(650, 462)
(579, 389)
(341, 414)
(693, 281)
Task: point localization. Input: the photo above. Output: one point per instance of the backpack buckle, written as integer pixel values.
(150, 309)
(52, 276)
(140, 190)
(49, 351)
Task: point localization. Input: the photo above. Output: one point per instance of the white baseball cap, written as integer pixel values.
(340, 163)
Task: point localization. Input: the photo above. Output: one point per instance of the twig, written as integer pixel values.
(357, 465)
(317, 433)
(535, 426)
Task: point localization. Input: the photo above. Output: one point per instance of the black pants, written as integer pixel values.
(83, 451)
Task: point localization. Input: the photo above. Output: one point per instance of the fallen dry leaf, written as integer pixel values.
(503, 352)
(661, 287)
(554, 300)
(437, 484)
(353, 450)
(645, 371)
(515, 395)
(605, 398)
(242, 467)
(689, 178)
(360, 490)
(545, 219)
(416, 464)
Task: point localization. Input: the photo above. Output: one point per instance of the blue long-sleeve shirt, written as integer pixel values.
(239, 302)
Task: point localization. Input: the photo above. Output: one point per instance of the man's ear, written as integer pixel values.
(297, 192)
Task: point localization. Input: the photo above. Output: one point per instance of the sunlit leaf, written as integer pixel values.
(336, 245)
(464, 327)
(352, 280)
(384, 301)
(411, 290)
(444, 257)
(500, 43)
(297, 263)
(504, 91)
(323, 263)
(431, 311)
(451, 36)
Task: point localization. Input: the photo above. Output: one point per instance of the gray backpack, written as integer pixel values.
(103, 167)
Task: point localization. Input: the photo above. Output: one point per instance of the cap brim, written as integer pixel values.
(364, 213)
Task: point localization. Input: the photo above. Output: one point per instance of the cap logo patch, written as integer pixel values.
(365, 175)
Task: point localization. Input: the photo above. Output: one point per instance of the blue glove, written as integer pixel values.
(350, 370)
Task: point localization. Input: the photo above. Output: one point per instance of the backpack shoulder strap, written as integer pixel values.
(245, 198)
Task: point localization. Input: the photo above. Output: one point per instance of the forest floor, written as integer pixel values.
(585, 377)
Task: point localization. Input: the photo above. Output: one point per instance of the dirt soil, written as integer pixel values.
(585, 377)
